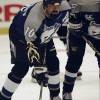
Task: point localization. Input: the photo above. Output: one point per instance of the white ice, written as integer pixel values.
(86, 89)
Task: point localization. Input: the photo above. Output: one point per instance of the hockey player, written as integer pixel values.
(31, 44)
(84, 26)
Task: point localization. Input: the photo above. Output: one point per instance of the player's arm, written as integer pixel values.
(62, 33)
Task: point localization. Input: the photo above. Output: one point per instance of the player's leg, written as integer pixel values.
(52, 63)
(75, 58)
(62, 33)
(19, 70)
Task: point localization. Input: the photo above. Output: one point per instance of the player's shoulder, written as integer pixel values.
(37, 5)
(37, 8)
(32, 7)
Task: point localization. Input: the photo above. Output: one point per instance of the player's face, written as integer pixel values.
(52, 9)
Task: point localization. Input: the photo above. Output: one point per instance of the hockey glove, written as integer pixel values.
(41, 75)
(32, 52)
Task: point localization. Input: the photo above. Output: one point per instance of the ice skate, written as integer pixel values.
(55, 98)
(67, 96)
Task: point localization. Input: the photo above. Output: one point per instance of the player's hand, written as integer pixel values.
(32, 53)
(41, 75)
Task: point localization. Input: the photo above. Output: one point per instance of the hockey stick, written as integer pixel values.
(41, 91)
(41, 88)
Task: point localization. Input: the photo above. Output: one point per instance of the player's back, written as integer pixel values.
(28, 17)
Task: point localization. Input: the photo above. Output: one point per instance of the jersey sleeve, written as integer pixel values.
(62, 33)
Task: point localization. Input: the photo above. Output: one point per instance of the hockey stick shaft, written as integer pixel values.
(41, 89)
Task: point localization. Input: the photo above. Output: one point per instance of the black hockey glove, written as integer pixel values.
(41, 75)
